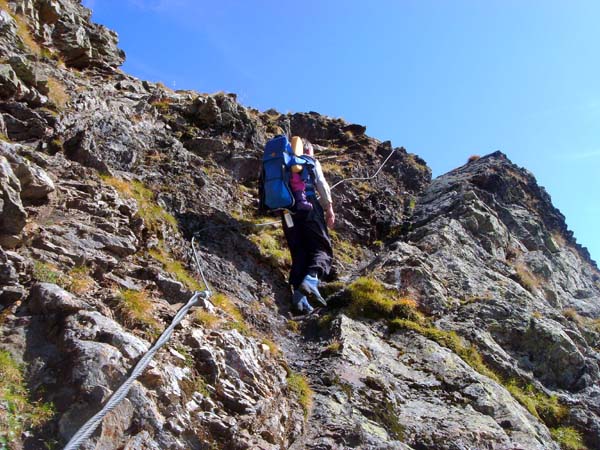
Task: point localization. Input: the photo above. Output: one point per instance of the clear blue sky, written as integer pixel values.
(445, 79)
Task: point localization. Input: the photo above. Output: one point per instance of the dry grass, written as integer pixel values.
(334, 347)
(48, 273)
(162, 105)
(57, 93)
(80, 280)
(226, 304)
(293, 326)
(526, 278)
(571, 315)
(473, 158)
(23, 30)
(273, 347)
(544, 407)
(136, 309)
(206, 319)
(77, 280)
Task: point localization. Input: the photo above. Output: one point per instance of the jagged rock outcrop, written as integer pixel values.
(491, 339)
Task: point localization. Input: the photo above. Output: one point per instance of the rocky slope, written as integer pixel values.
(465, 315)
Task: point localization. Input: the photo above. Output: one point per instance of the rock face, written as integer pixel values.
(491, 340)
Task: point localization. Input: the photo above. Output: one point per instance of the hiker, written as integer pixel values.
(308, 239)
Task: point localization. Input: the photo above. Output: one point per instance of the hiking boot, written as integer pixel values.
(300, 302)
(302, 204)
(310, 285)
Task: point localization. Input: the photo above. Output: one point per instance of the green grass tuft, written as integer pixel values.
(345, 251)
(369, 298)
(272, 247)
(175, 268)
(568, 438)
(450, 340)
(544, 407)
(48, 273)
(226, 304)
(154, 216)
(298, 384)
(17, 412)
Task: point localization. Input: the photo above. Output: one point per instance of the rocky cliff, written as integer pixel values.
(463, 314)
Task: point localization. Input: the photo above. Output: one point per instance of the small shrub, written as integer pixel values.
(298, 384)
(568, 438)
(473, 158)
(17, 412)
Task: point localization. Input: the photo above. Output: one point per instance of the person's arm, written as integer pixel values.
(324, 195)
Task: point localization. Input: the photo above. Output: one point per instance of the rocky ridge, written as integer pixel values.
(494, 336)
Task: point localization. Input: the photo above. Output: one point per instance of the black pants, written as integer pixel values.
(309, 244)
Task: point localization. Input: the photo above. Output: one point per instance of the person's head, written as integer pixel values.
(308, 148)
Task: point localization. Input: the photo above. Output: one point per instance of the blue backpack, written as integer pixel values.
(275, 188)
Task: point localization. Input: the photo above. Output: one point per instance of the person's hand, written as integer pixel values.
(330, 217)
